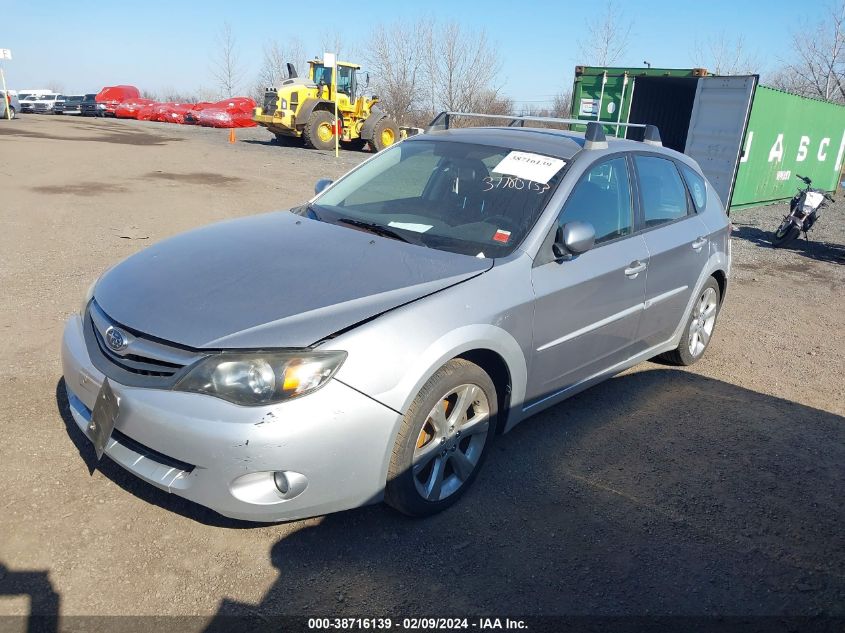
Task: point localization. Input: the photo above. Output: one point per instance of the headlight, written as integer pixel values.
(88, 296)
(283, 104)
(259, 378)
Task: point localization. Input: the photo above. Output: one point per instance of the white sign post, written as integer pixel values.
(5, 53)
(330, 61)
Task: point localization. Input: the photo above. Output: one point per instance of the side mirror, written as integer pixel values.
(322, 184)
(573, 238)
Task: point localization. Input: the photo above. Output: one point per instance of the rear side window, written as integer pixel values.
(603, 198)
(697, 188)
(663, 193)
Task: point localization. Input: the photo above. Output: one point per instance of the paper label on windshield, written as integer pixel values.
(529, 166)
(410, 226)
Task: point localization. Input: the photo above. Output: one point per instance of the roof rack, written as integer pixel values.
(594, 136)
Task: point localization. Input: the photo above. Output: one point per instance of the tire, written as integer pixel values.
(436, 457)
(786, 233)
(385, 134)
(692, 348)
(315, 133)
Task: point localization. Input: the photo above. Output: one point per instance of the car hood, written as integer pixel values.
(273, 280)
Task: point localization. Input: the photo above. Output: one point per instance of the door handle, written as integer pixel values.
(697, 244)
(635, 268)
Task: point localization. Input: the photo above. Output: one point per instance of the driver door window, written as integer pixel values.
(603, 198)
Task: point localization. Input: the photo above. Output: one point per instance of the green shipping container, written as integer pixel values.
(750, 140)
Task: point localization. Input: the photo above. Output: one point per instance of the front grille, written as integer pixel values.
(271, 99)
(144, 362)
(137, 364)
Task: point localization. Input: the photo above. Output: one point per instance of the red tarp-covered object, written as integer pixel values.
(192, 116)
(234, 112)
(159, 112)
(145, 113)
(175, 113)
(130, 108)
(112, 96)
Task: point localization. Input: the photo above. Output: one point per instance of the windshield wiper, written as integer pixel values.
(376, 229)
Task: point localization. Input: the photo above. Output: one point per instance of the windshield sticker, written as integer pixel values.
(529, 166)
(410, 226)
(502, 236)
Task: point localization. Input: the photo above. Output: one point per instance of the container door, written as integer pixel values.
(717, 125)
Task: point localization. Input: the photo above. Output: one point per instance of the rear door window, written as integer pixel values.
(663, 195)
(697, 187)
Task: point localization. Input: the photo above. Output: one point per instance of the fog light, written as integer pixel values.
(281, 481)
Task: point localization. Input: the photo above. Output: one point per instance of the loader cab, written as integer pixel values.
(347, 77)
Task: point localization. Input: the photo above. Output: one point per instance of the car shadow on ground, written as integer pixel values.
(812, 249)
(656, 492)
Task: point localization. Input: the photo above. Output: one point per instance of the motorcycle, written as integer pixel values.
(804, 210)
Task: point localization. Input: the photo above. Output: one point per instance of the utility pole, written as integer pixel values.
(5, 53)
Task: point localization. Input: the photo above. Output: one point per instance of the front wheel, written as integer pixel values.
(385, 134)
(700, 325)
(319, 132)
(444, 438)
(786, 234)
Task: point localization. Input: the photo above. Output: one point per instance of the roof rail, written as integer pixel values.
(594, 135)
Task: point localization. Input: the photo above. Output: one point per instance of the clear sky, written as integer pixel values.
(157, 46)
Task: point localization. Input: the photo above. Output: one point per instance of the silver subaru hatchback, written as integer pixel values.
(370, 344)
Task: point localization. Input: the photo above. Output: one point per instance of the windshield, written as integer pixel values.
(464, 198)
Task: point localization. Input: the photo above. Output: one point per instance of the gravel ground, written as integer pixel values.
(713, 490)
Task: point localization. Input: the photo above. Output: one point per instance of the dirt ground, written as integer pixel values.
(716, 489)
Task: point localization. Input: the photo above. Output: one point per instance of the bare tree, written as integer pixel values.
(562, 105)
(397, 67)
(56, 86)
(610, 35)
(817, 68)
(274, 65)
(722, 55)
(333, 42)
(226, 68)
(462, 67)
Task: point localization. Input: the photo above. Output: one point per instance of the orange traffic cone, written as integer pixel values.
(232, 135)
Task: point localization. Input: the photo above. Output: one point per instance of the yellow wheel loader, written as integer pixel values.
(303, 108)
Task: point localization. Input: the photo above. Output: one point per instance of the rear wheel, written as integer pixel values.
(318, 133)
(385, 134)
(700, 326)
(786, 234)
(444, 438)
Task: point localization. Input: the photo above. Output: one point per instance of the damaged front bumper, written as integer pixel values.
(332, 446)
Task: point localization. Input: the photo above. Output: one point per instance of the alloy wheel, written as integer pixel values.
(451, 442)
(703, 322)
